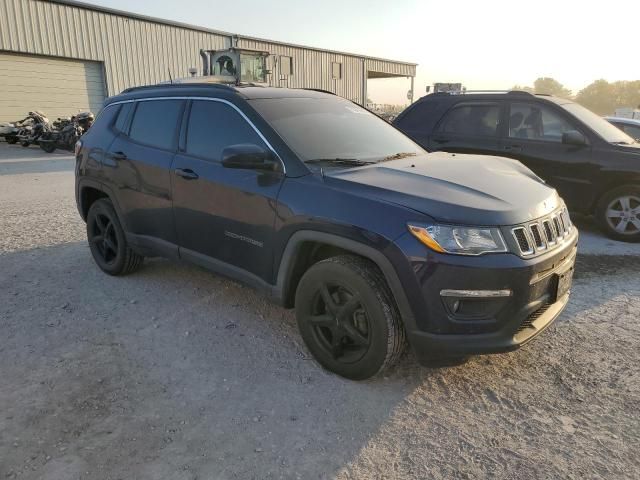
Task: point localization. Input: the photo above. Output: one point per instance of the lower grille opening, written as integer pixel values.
(528, 322)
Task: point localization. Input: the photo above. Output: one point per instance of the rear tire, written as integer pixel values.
(618, 213)
(347, 317)
(11, 140)
(107, 241)
(25, 144)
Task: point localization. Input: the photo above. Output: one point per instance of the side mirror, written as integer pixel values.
(573, 137)
(248, 156)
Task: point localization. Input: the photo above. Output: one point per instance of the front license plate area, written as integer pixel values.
(565, 279)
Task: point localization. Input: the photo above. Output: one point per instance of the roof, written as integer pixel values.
(628, 121)
(122, 13)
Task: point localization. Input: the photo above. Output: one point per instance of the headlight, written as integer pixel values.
(459, 240)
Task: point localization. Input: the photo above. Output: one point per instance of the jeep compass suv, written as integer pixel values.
(329, 209)
(594, 165)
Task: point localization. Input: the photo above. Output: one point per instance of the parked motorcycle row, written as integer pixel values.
(36, 128)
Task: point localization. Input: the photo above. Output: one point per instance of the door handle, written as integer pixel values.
(512, 148)
(118, 156)
(186, 173)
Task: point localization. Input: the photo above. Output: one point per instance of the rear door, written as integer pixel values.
(224, 216)
(534, 137)
(140, 160)
(469, 127)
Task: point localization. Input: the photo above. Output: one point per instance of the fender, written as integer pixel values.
(87, 182)
(296, 240)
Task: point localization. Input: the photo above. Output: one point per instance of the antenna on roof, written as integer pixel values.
(170, 77)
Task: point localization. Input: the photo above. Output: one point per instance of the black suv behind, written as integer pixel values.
(594, 166)
(328, 209)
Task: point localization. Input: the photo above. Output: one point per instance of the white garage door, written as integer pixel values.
(56, 87)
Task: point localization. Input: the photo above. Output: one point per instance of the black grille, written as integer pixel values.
(548, 232)
(544, 234)
(537, 237)
(523, 241)
(558, 228)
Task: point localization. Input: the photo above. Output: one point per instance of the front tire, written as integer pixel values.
(618, 213)
(107, 240)
(347, 317)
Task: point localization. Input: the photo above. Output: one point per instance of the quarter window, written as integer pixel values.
(472, 120)
(123, 115)
(213, 126)
(155, 122)
(536, 122)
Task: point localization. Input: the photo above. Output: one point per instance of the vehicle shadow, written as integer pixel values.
(174, 372)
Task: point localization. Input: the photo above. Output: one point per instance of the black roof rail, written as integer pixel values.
(180, 85)
(318, 90)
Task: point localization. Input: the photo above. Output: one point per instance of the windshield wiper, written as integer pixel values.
(347, 162)
(622, 142)
(399, 155)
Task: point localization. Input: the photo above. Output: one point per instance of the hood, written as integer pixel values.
(456, 188)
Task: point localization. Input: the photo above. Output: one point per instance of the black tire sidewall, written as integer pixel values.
(105, 207)
(601, 211)
(340, 274)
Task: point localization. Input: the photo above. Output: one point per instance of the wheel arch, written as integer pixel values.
(89, 191)
(306, 247)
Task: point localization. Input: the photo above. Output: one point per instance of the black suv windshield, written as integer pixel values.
(334, 131)
(610, 133)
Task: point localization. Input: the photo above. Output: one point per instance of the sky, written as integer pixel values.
(491, 44)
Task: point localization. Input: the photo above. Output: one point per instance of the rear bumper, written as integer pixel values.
(517, 300)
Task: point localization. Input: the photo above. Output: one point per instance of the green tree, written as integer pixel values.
(546, 85)
(603, 97)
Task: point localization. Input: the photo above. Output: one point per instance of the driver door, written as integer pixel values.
(224, 216)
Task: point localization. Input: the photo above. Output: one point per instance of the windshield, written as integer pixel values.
(610, 133)
(334, 130)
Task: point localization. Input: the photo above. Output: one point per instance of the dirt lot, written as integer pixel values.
(175, 373)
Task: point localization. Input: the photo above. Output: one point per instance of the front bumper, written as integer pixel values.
(489, 325)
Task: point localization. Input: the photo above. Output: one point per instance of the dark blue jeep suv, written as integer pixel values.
(328, 209)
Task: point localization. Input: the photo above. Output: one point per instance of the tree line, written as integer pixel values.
(601, 97)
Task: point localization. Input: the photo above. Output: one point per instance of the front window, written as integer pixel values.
(604, 129)
(533, 121)
(331, 130)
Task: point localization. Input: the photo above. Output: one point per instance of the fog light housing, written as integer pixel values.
(479, 305)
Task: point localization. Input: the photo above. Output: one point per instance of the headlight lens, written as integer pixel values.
(460, 240)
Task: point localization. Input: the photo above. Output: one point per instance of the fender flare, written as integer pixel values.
(90, 183)
(292, 249)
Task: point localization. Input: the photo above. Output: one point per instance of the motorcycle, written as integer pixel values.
(66, 132)
(32, 128)
(8, 131)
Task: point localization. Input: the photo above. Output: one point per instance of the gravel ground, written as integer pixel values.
(175, 373)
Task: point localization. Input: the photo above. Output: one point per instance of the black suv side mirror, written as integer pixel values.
(248, 156)
(573, 137)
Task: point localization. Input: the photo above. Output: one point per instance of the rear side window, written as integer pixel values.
(213, 126)
(123, 116)
(155, 122)
(472, 120)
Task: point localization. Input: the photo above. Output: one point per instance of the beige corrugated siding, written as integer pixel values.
(54, 86)
(138, 50)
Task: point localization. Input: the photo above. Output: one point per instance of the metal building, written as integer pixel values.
(62, 56)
